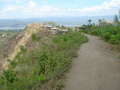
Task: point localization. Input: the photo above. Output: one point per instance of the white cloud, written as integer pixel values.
(105, 6)
(47, 9)
(10, 8)
(32, 9)
(32, 4)
(114, 3)
(70, 9)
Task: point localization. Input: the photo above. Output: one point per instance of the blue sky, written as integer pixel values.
(61, 8)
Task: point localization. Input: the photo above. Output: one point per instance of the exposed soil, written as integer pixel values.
(96, 68)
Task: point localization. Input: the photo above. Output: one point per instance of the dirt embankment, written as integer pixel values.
(96, 68)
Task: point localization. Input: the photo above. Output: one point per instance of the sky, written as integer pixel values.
(10, 9)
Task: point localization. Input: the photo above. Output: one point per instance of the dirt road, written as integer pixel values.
(96, 68)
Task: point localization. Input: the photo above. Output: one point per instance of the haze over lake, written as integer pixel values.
(66, 21)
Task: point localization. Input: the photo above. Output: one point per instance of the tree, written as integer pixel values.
(63, 27)
(89, 22)
(102, 23)
(116, 19)
(53, 24)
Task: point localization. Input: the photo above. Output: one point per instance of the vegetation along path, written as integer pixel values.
(96, 68)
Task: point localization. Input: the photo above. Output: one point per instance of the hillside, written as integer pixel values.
(12, 47)
(35, 59)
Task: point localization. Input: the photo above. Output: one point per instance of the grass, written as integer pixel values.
(44, 67)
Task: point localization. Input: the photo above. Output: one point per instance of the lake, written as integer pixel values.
(66, 21)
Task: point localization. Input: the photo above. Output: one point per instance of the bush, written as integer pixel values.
(41, 78)
(95, 32)
(115, 39)
(108, 32)
(85, 31)
(5, 56)
(35, 38)
(106, 36)
(9, 76)
(22, 49)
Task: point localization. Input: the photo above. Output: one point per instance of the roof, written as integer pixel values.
(55, 28)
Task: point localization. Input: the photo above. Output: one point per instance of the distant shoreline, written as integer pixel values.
(66, 21)
(8, 28)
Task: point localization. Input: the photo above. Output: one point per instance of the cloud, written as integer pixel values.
(10, 8)
(42, 11)
(32, 4)
(48, 9)
(31, 9)
(104, 6)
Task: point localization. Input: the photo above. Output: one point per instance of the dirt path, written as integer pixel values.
(96, 68)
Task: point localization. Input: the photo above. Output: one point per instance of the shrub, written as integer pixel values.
(5, 56)
(35, 38)
(115, 39)
(106, 36)
(85, 31)
(9, 75)
(95, 32)
(41, 78)
(108, 32)
(22, 49)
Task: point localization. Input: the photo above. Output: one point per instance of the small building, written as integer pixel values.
(54, 30)
(64, 31)
(48, 27)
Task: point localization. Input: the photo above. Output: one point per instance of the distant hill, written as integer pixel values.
(67, 21)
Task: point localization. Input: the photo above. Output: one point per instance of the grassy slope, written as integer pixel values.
(43, 67)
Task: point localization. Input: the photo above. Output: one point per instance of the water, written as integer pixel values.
(7, 28)
(66, 21)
